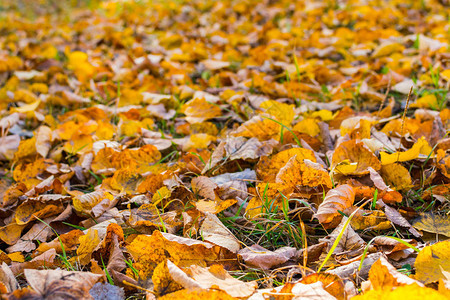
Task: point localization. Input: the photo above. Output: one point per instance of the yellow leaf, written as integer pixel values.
(303, 173)
(10, 233)
(309, 126)
(428, 101)
(198, 141)
(27, 108)
(421, 147)
(88, 243)
(410, 292)
(149, 251)
(130, 97)
(78, 62)
(370, 219)
(397, 176)
(446, 74)
(431, 261)
(323, 114)
(198, 110)
(17, 257)
(433, 222)
(161, 194)
(387, 49)
(126, 180)
(284, 113)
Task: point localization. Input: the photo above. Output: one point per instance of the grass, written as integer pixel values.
(272, 228)
(339, 237)
(63, 257)
(297, 141)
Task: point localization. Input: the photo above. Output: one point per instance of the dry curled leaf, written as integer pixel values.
(337, 199)
(213, 277)
(260, 257)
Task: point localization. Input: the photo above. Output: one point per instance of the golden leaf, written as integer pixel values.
(396, 175)
(410, 292)
(35, 209)
(419, 149)
(198, 110)
(149, 251)
(84, 203)
(431, 261)
(283, 113)
(384, 276)
(267, 168)
(433, 222)
(358, 155)
(88, 243)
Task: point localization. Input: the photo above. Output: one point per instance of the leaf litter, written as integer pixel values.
(224, 149)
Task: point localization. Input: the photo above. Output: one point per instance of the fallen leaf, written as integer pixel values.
(106, 291)
(395, 217)
(432, 222)
(8, 281)
(260, 257)
(383, 276)
(60, 283)
(199, 110)
(397, 176)
(212, 277)
(358, 155)
(431, 262)
(149, 251)
(337, 199)
(350, 240)
(419, 149)
(411, 292)
(212, 230)
(333, 284)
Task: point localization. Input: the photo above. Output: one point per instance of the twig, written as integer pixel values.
(404, 116)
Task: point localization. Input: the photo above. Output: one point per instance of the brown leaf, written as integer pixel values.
(45, 259)
(7, 279)
(62, 284)
(395, 217)
(44, 140)
(260, 257)
(212, 230)
(212, 203)
(212, 277)
(8, 146)
(147, 218)
(339, 198)
(350, 240)
(333, 284)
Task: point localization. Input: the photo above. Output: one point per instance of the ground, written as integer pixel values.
(224, 149)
